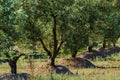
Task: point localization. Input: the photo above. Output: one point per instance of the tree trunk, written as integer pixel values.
(13, 67)
(90, 48)
(104, 43)
(55, 34)
(52, 61)
(55, 41)
(74, 54)
(114, 45)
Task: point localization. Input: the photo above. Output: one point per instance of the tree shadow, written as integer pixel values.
(76, 63)
(59, 69)
(107, 67)
(102, 52)
(19, 76)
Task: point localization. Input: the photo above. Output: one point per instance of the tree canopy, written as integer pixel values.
(59, 24)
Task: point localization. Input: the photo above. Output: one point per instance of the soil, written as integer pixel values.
(48, 69)
(76, 63)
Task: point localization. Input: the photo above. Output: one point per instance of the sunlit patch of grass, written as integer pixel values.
(4, 68)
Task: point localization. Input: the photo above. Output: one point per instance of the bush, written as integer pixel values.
(36, 55)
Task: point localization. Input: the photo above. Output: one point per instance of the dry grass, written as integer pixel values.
(110, 69)
(23, 66)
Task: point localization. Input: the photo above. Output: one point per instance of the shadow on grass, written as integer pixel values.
(102, 52)
(19, 76)
(59, 69)
(107, 67)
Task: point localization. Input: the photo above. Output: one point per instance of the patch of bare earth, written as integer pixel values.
(76, 63)
(46, 69)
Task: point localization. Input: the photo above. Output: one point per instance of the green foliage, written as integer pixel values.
(47, 22)
(77, 23)
(10, 28)
(5, 42)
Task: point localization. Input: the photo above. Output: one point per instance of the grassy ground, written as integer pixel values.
(111, 70)
(106, 76)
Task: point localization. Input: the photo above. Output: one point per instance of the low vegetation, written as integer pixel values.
(108, 69)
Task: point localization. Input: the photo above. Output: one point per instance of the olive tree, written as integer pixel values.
(10, 32)
(109, 16)
(45, 23)
(77, 35)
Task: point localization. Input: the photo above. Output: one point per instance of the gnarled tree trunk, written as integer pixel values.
(13, 63)
(13, 66)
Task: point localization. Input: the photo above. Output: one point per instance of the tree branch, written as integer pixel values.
(60, 46)
(45, 48)
(21, 54)
(55, 34)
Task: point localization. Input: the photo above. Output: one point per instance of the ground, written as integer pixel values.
(108, 68)
(76, 63)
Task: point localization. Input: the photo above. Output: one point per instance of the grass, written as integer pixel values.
(111, 70)
(105, 76)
